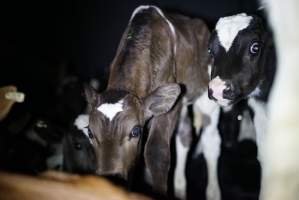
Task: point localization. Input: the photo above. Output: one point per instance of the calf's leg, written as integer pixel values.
(209, 143)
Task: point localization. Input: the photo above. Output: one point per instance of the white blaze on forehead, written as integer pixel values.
(111, 109)
(227, 28)
(81, 122)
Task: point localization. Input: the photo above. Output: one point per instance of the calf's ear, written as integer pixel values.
(90, 95)
(161, 100)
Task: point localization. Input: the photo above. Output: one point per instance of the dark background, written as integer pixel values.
(39, 38)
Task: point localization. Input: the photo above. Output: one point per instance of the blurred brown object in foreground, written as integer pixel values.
(8, 96)
(60, 186)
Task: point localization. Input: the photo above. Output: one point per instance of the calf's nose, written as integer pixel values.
(216, 87)
(228, 93)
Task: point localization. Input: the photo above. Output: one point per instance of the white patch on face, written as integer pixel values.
(143, 7)
(227, 28)
(81, 122)
(111, 109)
(218, 86)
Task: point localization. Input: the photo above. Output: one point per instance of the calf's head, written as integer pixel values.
(116, 122)
(240, 48)
(78, 154)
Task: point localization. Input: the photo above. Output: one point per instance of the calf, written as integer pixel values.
(211, 166)
(158, 57)
(244, 64)
(78, 154)
(31, 145)
(238, 153)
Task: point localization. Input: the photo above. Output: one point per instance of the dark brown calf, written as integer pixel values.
(160, 59)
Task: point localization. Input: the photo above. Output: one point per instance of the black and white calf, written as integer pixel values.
(243, 67)
(31, 145)
(222, 131)
(78, 154)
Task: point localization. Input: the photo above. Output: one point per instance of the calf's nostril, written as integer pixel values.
(228, 93)
(228, 88)
(210, 94)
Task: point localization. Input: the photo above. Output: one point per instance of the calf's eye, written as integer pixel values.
(90, 135)
(135, 132)
(254, 48)
(210, 52)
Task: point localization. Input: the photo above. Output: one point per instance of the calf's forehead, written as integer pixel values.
(227, 28)
(115, 116)
(109, 110)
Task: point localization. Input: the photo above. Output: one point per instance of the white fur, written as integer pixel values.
(81, 122)
(218, 86)
(180, 183)
(209, 144)
(202, 105)
(111, 109)
(282, 143)
(247, 130)
(227, 28)
(145, 7)
(260, 123)
(184, 127)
